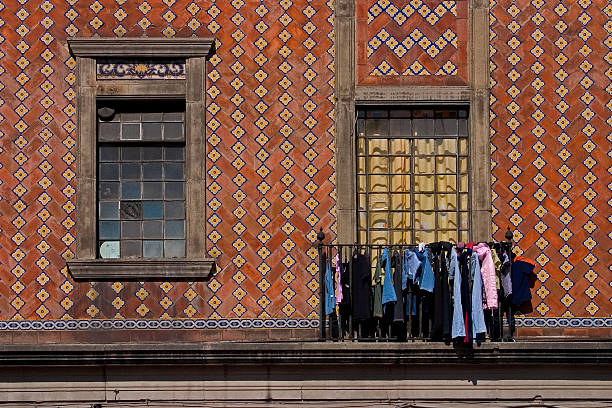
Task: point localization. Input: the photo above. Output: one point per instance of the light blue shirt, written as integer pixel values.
(388, 292)
(458, 328)
(478, 323)
(426, 279)
(330, 297)
(409, 268)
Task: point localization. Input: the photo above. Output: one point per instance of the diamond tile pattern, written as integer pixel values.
(269, 156)
(551, 134)
(412, 42)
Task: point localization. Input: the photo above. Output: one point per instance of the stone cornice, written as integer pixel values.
(141, 269)
(142, 47)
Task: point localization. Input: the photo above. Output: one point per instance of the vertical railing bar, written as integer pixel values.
(320, 238)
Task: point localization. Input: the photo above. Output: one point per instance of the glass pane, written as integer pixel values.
(377, 147)
(152, 249)
(422, 127)
(446, 146)
(379, 184)
(174, 248)
(174, 171)
(130, 190)
(131, 210)
(152, 153)
(447, 201)
(463, 182)
(362, 220)
(400, 113)
(152, 190)
(400, 201)
(130, 117)
(152, 229)
(173, 117)
(463, 147)
(446, 164)
(109, 171)
(361, 184)
(173, 131)
(130, 131)
(131, 249)
(379, 238)
(379, 220)
(152, 210)
(130, 229)
(463, 166)
(151, 131)
(109, 249)
(400, 146)
(363, 237)
(109, 153)
(174, 191)
(463, 201)
(361, 165)
(400, 237)
(463, 236)
(424, 201)
(463, 127)
(447, 219)
(424, 147)
(400, 127)
(108, 131)
(152, 171)
(130, 171)
(174, 229)
(109, 210)
(400, 183)
(175, 153)
(464, 220)
(378, 165)
(400, 220)
(379, 202)
(450, 236)
(151, 117)
(424, 236)
(377, 127)
(377, 113)
(361, 146)
(175, 210)
(400, 164)
(444, 127)
(130, 153)
(447, 184)
(109, 191)
(423, 183)
(108, 229)
(362, 201)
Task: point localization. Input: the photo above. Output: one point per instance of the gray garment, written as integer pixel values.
(506, 276)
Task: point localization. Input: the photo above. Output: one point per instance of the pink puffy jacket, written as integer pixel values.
(487, 271)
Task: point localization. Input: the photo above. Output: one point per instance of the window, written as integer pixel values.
(140, 182)
(412, 175)
(141, 179)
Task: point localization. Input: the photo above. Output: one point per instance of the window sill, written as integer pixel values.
(141, 269)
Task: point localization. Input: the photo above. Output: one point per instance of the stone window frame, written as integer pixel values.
(87, 51)
(474, 96)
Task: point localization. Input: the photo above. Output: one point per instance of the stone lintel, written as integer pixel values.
(142, 47)
(141, 269)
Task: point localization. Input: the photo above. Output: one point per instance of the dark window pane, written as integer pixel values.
(173, 171)
(152, 210)
(109, 249)
(131, 249)
(173, 131)
(109, 171)
(108, 191)
(130, 190)
(377, 127)
(130, 131)
(422, 127)
(152, 249)
(152, 229)
(151, 117)
(176, 153)
(130, 171)
(445, 127)
(372, 113)
(109, 210)
(109, 153)
(174, 191)
(400, 127)
(463, 127)
(131, 210)
(152, 171)
(152, 190)
(130, 117)
(175, 210)
(108, 229)
(151, 131)
(130, 229)
(108, 131)
(130, 153)
(400, 113)
(173, 117)
(174, 229)
(174, 248)
(152, 153)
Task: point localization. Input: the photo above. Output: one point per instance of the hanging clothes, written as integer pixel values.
(388, 292)
(497, 262)
(377, 306)
(396, 263)
(478, 322)
(447, 307)
(362, 286)
(410, 267)
(438, 308)
(458, 325)
(522, 270)
(487, 273)
(330, 298)
(425, 279)
(506, 276)
(339, 271)
(466, 299)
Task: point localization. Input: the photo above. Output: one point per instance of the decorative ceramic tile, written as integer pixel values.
(140, 69)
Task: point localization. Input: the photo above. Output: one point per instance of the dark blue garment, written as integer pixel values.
(388, 292)
(426, 278)
(330, 297)
(521, 272)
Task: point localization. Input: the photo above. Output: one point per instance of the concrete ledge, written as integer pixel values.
(307, 353)
(141, 269)
(431, 95)
(142, 47)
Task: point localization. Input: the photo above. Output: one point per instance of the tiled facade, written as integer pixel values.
(270, 149)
